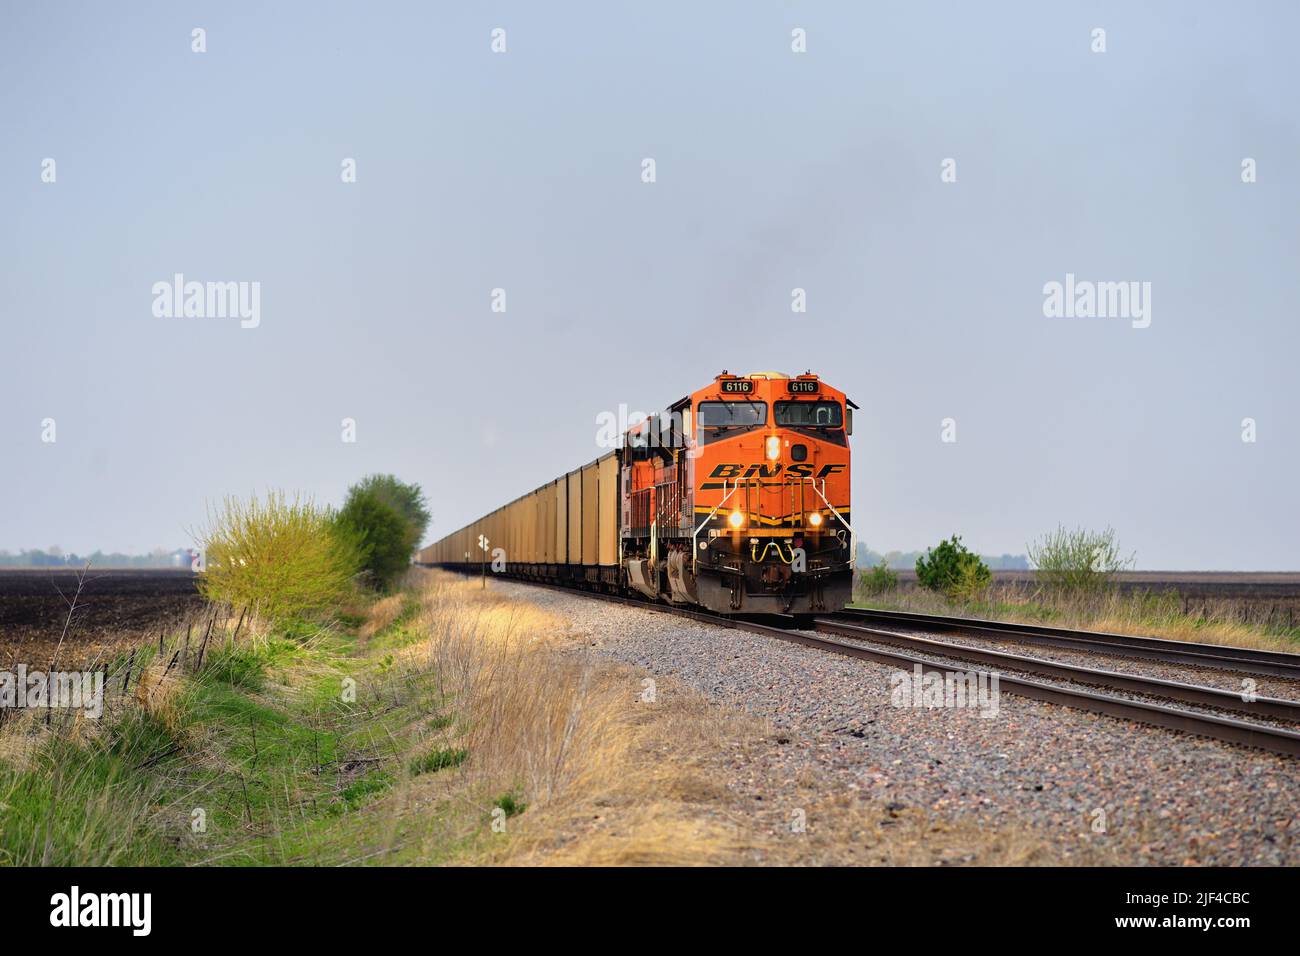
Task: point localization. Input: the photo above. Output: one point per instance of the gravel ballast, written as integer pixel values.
(1081, 779)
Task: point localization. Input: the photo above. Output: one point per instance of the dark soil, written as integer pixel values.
(115, 605)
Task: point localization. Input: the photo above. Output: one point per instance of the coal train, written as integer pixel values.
(734, 498)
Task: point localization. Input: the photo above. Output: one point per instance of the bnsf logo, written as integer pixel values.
(771, 471)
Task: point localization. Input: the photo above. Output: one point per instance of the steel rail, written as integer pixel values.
(1113, 680)
(1217, 656)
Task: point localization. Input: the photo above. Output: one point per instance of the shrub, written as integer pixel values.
(279, 557)
(380, 534)
(973, 580)
(385, 519)
(1079, 561)
(953, 570)
(511, 804)
(408, 500)
(880, 579)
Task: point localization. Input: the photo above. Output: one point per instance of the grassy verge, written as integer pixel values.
(251, 758)
(1148, 614)
(444, 724)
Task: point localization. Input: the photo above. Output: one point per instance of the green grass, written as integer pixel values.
(404, 630)
(238, 667)
(260, 761)
(85, 805)
(359, 792)
(439, 759)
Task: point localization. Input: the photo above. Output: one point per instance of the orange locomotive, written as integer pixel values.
(735, 498)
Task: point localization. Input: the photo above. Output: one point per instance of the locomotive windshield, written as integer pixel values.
(809, 414)
(732, 414)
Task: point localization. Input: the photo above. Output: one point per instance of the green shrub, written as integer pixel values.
(511, 804)
(880, 579)
(385, 520)
(953, 570)
(407, 500)
(277, 556)
(1078, 562)
(972, 584)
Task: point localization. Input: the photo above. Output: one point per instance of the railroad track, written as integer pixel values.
(890, 648)
(1218, 656)
(1263, 736)
(1194, 694)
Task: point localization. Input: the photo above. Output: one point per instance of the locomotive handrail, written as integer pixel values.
(695, 547)
(853, 535)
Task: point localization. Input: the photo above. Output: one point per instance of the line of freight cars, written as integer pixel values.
(565, 530)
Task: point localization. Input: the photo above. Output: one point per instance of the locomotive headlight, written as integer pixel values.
(736, 519)
(814, 519)
(773, 447)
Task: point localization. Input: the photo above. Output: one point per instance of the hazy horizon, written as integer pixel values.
(775, 170)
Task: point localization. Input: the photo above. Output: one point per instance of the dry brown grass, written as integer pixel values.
(611, 779)
(158, 692)
(381, 614)
(20, 738)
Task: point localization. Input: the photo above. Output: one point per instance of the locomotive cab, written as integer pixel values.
(746, 509)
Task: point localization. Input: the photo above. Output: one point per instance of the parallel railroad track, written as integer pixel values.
(1218, 656)
(1215, 726)
(1194, 694)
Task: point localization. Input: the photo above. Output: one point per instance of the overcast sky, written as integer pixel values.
(774, 170)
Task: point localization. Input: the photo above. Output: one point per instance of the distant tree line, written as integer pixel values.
(55, 557)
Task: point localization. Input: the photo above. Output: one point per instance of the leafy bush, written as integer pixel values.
(381, 536)
(953, 570)
(1079, 561)
(278, 556)
(408, 500)
(511, 804)
(973, 580)
(385, 519)
(880, 579)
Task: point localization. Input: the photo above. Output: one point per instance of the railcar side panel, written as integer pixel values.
(607, 479)
(529, 515)
(561, 530)
(590, 516)
(574, 553)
